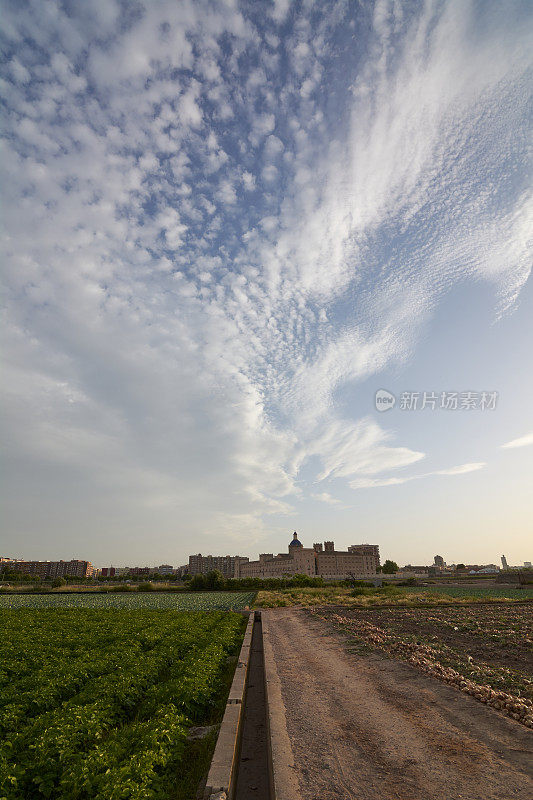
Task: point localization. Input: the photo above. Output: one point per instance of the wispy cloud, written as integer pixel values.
(461, 469)
(522, 441)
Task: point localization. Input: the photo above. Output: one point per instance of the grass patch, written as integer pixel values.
(369, 596)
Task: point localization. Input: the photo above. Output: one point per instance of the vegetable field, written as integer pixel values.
(97, 704)
(190, 601)
(484, 650)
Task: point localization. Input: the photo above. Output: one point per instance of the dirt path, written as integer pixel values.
(371, 728)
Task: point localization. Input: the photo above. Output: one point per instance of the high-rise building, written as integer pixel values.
(504, 563)
(199, 564)
(439, 562)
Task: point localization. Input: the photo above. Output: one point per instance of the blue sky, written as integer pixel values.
(225, 227)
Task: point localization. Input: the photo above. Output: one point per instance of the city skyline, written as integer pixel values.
(184, 560)
(229, 228)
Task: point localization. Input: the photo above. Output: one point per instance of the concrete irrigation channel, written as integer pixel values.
(253, 755)
(241, 765)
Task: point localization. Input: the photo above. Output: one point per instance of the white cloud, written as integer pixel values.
(269, 174)
(269, 224)
(189, 113)
(373, 483)
(273, 146)
(19, 72)
(325, 497)
(522, 441)
(280, 10)
(183, 330)
(264, 124)
(248, 180)
(358, 448)
(462, 469)
(226, 192)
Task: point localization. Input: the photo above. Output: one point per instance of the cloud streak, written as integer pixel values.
(522, 441)
(372, 483)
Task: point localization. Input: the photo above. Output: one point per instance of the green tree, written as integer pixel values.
(389, 567)
(58, 582)
(214, 580)
(197, 583)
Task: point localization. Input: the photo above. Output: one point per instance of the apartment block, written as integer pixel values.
(53, 569)
(199, 564)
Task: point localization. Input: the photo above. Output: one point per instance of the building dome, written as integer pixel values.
(295, 542)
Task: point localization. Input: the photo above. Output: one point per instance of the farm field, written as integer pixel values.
(176, 601)
(485, 650)
(481, 592)
(395, 595)
(97, 704)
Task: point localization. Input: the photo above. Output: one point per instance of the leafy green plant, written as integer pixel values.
(96, 704)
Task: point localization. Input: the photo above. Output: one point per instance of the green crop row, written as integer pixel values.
(97, 704)
(157, 601)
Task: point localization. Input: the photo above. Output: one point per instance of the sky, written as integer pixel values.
(225, 227)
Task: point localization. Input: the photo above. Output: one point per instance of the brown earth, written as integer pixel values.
(372, 728)
(503, 637)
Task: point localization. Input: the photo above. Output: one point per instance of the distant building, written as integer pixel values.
(490, 569)
(165, 569)
(504, 563)
(527, 564)
(438, 561)
(53, 569)
(417, 569)
(227, 565)
(358, 561)
(370, 552)
(107, 572)
(112, 572)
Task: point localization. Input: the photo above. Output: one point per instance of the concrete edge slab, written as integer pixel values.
(284, 781)
(223, 769)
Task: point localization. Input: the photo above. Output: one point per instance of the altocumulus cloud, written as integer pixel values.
(192, 190)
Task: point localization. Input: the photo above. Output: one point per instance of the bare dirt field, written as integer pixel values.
(484, 650)
(366, 726)
(500, 634)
